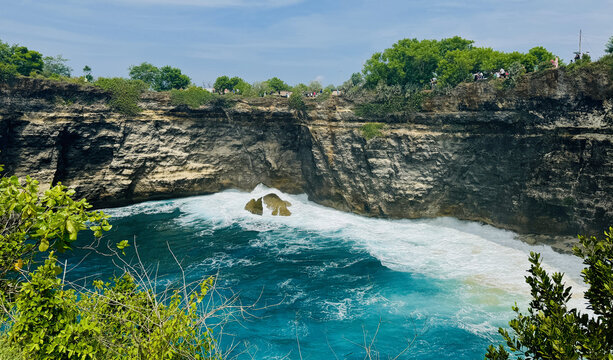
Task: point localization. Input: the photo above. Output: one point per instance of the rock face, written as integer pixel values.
(536, 159)
(277, 205)
(273, 202)
(255, 206)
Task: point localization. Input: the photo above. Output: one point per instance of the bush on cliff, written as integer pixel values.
(372, 130)
(45, 317)
(550, 330)
(385, 100)
(8, 72)
(124, 93)
(296, 102)
(193, 96)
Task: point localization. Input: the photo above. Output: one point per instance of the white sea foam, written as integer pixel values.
(480, 256)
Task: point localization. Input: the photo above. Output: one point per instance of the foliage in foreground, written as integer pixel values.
(114, 321)
(550, 330)
(46, 318)
(124, 93)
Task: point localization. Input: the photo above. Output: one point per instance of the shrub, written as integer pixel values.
(116, 320)
(296, 102)
(8, 72)
(372, 130)
(194, 97)
(550, 330)
(124, 93)
(124, 319)
(385, 100)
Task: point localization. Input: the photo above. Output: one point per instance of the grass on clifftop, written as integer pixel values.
(372, 130)
(124, 93)
(193, 97)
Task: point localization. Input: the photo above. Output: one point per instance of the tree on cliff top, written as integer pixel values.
(550, 330)
(277, 84)
(609, 46)
(56, 66)
(27, 61)
(159, 79)
(145, 72)
(224, 82)
(412, 62)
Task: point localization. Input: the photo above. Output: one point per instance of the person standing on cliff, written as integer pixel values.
(555, 62)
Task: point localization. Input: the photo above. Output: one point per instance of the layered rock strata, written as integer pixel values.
(536, 159)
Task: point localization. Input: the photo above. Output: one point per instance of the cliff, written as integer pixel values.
(536, 159)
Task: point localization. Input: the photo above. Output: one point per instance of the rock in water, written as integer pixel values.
(255, 206)
(277, 205)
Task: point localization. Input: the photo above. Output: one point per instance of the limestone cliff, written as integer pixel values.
(536, 159)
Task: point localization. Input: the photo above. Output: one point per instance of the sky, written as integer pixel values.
(295, 40)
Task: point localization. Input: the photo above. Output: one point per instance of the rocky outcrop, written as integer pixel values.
(536, 159)
(278, 206)
(255, 206)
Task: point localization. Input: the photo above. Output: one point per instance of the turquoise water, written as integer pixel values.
(325, 283)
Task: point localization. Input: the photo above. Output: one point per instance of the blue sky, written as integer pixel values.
(296, 40)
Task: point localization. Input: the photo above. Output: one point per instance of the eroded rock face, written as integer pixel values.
(277, 205)
(273, 202)
(537, 159)
(255, 206)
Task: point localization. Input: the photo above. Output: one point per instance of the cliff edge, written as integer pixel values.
(535, 159)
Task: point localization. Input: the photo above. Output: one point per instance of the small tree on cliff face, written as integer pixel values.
(550, 330)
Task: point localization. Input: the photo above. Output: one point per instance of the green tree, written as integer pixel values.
(550, 330)
(56, 66)
(314, 86)
(225, 83)
(244, 88)
(6, 52)
(609, 46)
(87, 71)
(536, 56)
(27, 61)
(300, 88)
(171, 78)
(277, 84)
(145, 72)
(456, 67)
(7, 72)
(260, 88)
(410, 61)
(356, 79)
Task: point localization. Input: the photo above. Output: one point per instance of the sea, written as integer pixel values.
(326, 284)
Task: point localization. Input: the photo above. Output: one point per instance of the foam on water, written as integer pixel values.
(444, 248)
(478, 270)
